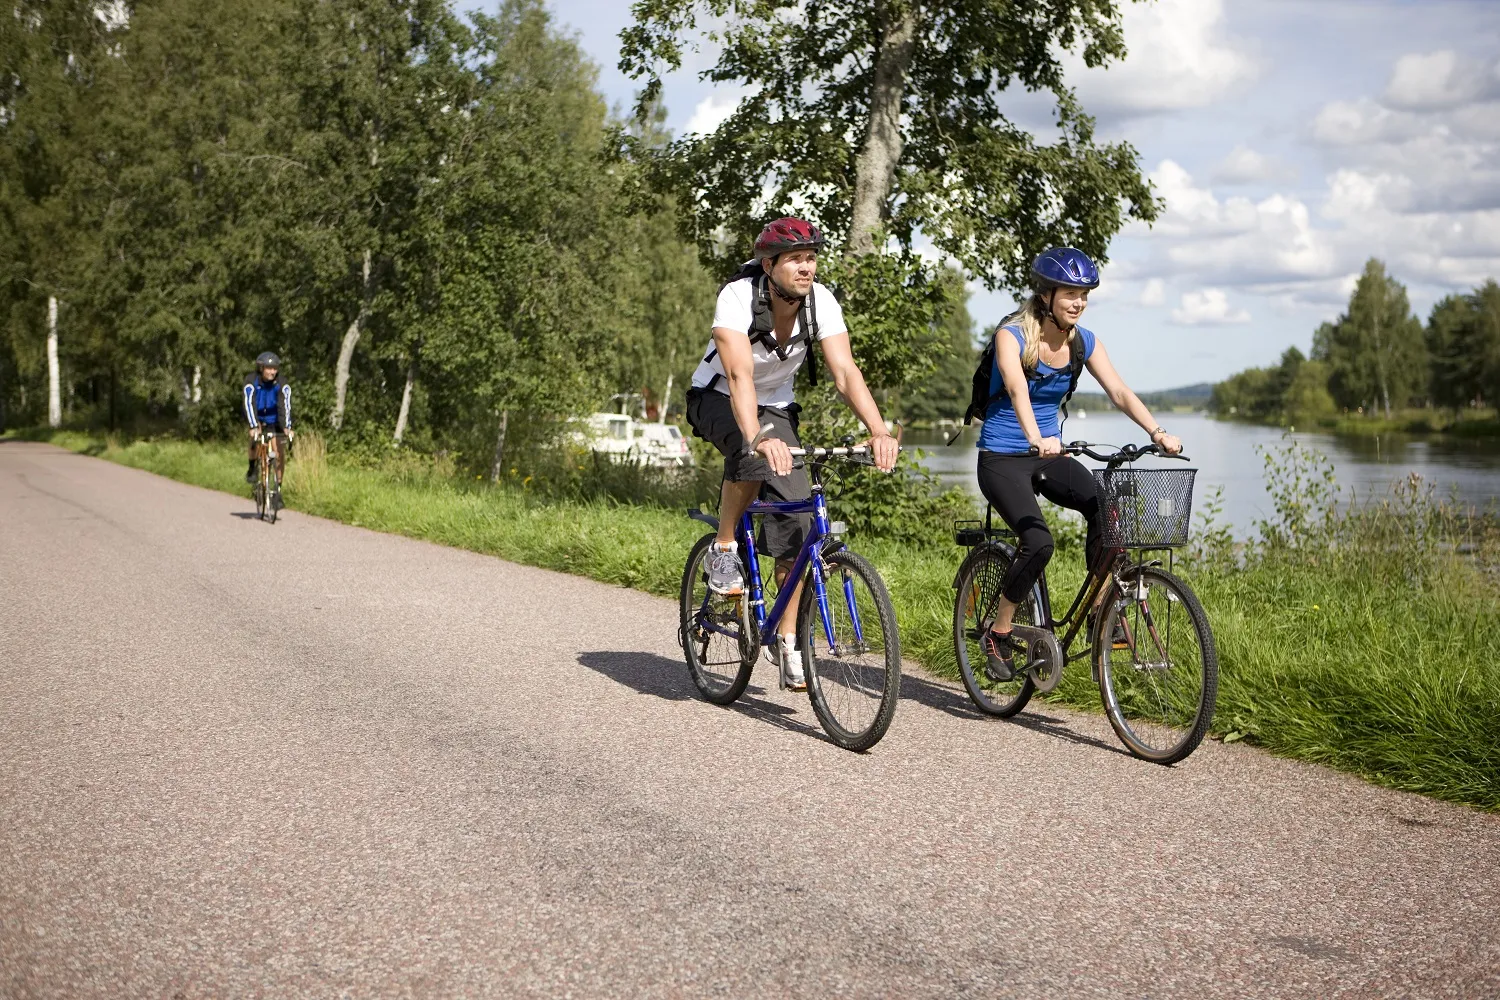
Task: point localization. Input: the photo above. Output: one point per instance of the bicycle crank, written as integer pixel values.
(1045, 659)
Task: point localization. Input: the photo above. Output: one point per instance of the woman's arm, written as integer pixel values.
(1126, 401)
(850, 383)
(1013, 376)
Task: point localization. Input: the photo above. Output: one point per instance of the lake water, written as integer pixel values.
(1225, 455)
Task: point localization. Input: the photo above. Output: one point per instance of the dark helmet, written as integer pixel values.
(267, 359)
(785, 235)
(1064, 267)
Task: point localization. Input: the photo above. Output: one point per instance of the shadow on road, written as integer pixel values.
(956, 702)
(244, 515)
(650, 673)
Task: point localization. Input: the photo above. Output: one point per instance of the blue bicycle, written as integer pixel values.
(846, 627)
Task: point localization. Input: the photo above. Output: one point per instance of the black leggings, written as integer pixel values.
(1011, 483)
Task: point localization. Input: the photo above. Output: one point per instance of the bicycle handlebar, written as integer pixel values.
(1125, 453)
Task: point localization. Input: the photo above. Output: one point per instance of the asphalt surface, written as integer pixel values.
(309, 760)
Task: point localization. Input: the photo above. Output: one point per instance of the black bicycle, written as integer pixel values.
(1153, 653)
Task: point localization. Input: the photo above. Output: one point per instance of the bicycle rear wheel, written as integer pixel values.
(717, 633)
(979, 581)
(1159, 675)
(854, 684)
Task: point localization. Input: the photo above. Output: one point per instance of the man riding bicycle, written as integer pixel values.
(765, 322)
(268, 406)
(1038, 351)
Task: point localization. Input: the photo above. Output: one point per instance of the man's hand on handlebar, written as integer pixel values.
(254, 431)
(777, 454)
(1168, 443)
(883, 448)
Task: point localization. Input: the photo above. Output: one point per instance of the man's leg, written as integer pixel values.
(734, 497)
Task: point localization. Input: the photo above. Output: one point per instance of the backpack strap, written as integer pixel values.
(763, 328)
(1075, 368)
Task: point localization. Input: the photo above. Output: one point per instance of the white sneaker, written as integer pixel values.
(723, 568)
(789, 658)
(723, 565)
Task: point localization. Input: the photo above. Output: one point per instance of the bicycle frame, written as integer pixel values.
(809, 556)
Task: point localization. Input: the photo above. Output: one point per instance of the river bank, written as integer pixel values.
(1373, 659)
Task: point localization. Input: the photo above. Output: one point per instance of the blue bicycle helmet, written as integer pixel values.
(1064, 267)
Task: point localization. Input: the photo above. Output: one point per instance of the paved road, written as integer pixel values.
(433, 783)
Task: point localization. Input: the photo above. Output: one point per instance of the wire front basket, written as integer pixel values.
(1145, 508)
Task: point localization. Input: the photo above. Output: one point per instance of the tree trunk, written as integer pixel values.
(666, 398)
(346, 351)
(499, 459)
(411, 378)
(54, 377)
(875, 170)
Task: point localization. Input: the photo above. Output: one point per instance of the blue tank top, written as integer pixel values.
(1002, 430)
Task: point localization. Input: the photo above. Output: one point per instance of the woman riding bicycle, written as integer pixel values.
(1020, 446)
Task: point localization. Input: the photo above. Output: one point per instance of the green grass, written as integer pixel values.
(1343, 662)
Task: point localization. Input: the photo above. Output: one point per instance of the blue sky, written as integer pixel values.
(1292, 140)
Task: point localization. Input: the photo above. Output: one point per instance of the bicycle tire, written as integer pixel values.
(259, 493)
(978, 582)
(841, 690)
(719, 686)
(1184, 703)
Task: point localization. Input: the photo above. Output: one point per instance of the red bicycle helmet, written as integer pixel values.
(785, 235)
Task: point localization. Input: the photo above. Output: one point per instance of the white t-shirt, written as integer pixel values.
(773, 375)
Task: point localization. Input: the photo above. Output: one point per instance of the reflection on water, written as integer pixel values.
(1225, 455)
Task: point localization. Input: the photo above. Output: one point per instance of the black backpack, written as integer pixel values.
(980, 397)
(763, 322)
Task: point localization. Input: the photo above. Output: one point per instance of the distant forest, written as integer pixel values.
(1378, 359)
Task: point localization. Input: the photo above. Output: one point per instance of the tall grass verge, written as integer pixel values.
(1364, 636)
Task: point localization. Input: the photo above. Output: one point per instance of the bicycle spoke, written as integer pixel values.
(1159, 690)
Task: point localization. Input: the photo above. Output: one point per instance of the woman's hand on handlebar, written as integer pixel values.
(777, 454)
(1168, 443)
(883, 449)
(1048, 447)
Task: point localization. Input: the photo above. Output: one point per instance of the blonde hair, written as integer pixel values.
(1029, 319)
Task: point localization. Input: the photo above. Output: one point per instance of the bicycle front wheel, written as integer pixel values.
(260, 500)
(853, 683)
(979, 581)
(717, 633)
(1158, 666)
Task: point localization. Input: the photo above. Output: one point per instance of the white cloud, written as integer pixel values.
(711, 112)
(1154, 294)
(1437, 81)
(1244, 165)
(1178, 57)
(1209, 307)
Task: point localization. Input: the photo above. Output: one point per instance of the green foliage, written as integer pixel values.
(1376, 358)
(981, 188)
(944, 393)
(1374, 351)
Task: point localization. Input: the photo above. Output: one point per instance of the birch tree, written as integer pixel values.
(883, 121)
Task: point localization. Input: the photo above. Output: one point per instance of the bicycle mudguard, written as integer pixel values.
(708, 519)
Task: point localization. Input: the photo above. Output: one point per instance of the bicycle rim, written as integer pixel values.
(1159, 675)
(853, 684)
(973, 609)
(717, 633)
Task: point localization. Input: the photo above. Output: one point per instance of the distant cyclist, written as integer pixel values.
(268, 404)
(765, 322)
(1020, 446)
